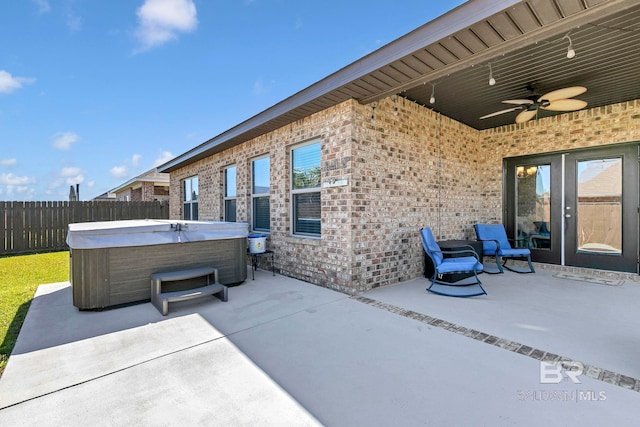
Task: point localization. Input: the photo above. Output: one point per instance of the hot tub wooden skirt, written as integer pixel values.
(105, 277)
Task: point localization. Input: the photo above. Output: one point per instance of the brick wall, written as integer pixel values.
(405, 169)
(325, 261)
(147, 192)
(413, 168)
(136, 195)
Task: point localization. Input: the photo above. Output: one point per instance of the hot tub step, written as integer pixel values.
(188, 294)
(161, 299)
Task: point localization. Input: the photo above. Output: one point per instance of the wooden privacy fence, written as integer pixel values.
(31, 227)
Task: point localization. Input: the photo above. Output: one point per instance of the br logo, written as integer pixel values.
(554, 373)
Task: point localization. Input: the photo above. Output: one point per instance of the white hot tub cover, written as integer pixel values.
(143, 232)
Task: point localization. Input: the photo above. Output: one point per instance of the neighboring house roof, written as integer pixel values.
(601, 179)
(151, 175)
(105, 196)
(522, 40)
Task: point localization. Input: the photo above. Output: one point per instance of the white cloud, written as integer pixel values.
(63, 140)
(11, 179)
(119, 171)
(124, 170)
(54, 184)
(259, 88)
(20, 191)
(58, 185)
(91, 184)
(8, 162)
(164, 157)
(43, 6)
(9, 83)
(160, 21)
(72, 175)
(74, 22)
(77, 179)
(70, 170)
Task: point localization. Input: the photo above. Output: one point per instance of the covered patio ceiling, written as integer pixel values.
(522, 40)
(607, 60)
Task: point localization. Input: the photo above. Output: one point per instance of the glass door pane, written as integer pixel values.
(599, 206)
(533, 206)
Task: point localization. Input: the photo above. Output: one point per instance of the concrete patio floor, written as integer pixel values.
(285, 352)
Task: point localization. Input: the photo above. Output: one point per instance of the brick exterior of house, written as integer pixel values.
(405, 169)
(150, 186)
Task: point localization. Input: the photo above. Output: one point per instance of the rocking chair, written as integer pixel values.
(496, 244)
(466, 261)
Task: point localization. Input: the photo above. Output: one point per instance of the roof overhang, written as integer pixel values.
(158, 179)
(521, 39)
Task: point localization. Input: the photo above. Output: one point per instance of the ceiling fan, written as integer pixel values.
(557, 100)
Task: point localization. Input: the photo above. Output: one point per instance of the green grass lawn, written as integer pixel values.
(20, 276)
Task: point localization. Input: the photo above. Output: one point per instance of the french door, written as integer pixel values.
(578, 208)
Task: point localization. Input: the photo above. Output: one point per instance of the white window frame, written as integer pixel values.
(226, 197)
(294, 191)
(188, 200)
(259, 195)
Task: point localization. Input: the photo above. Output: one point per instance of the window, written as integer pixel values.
(190, 198)
(230, 194)
(533, 206)
(261, 184)
(305, 189)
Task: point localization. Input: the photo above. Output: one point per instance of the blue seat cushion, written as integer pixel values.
(459, 265)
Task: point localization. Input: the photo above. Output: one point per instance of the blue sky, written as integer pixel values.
(95, 92)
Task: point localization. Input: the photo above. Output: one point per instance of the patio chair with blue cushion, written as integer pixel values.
(465, 261)
(496, 244)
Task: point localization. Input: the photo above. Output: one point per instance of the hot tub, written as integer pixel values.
(111, 262)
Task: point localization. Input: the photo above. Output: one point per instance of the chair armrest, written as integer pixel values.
(491, 240)
(437, 252)
(469, 251)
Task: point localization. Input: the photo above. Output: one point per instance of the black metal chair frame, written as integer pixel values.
(454, 289)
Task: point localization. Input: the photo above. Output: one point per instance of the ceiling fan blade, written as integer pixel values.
(567, 92)
(517, 101)
(565, 105)
(525, 116)
(497, 113)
